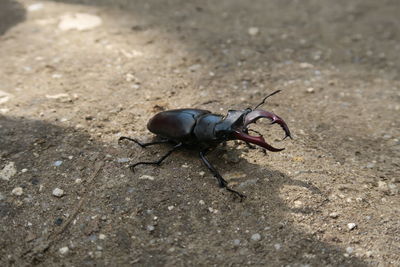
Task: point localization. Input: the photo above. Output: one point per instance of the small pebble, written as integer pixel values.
(298, 204)
(236, 242)
(150, 228)
(58, 221)
(57, 163)
(310, 90)
(63, 250)
(351, 226)
(8, 171)
(201, 202)
(212, 210)
(78, 181)
(35, 7)
(334, 215)
(57, 192)
(79, 21)
(146, 177)
(349, 250)
(202, 173)
(171, 207)
(305, 65)
(370, 165)
(102, 236)
(130, 77)
(382, 185)
(277, 246)
(58, 96)
(24, 170)
(256, 237)
(17, 191)
(253, 31)
(4, 97)
(122, 160)
(194, 67)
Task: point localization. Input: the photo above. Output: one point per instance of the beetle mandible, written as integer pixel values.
(202, 130)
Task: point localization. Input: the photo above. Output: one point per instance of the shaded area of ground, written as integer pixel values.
(125, 208)
(11, 13)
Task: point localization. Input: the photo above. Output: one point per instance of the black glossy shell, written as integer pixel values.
(204, 131)
(176, 124)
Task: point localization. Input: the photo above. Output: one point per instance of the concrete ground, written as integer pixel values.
(77, 75)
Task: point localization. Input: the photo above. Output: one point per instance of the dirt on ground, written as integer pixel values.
(77, 75)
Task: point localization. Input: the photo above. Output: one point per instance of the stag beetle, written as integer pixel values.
(202, 130)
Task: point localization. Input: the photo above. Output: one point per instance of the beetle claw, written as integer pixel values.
(224, 184)
(240, 195)
(286, 136)
(252, 117)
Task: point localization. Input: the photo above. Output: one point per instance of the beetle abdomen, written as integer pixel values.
(175, 124)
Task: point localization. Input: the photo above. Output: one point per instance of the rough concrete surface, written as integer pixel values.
(77, 75)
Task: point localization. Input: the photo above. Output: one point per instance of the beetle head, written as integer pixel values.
(236, 122)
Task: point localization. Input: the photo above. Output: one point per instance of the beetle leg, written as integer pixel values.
(157, 162)
(247, 143)
(221, 181)
(250, 145)
(257, 132)
(254, 131)
(143, 145)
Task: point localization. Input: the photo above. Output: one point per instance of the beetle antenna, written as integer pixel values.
(265, 98)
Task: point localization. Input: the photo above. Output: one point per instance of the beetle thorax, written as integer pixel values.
(232, 121)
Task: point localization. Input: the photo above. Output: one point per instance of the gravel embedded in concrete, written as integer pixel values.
(57, 192)
(256, 237)
(351, 226)
(18, 191)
